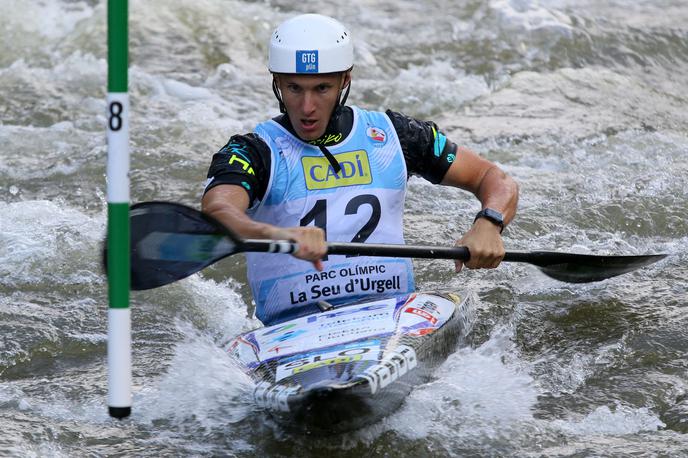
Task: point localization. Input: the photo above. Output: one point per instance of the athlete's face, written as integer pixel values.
(310, 100)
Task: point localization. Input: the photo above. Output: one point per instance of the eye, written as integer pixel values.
(294, 88)
(322, 88)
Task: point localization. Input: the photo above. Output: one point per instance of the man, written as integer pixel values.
(326, 171)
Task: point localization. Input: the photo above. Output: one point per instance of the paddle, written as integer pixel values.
(170, 241)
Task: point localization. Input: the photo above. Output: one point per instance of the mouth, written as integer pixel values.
(309, 125)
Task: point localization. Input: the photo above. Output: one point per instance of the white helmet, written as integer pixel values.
(310, 44)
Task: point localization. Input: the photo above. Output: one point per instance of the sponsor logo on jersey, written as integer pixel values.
(439, 143)
(326, 140)
(319, 174)
(376, 134)
(238, 157)
(243, 161)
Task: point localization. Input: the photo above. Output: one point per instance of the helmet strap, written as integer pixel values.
(340, 104)
(275, 89)
(346, 95)
(331, 159)
(333, 120)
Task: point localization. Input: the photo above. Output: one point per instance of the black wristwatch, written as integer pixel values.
(492, 215)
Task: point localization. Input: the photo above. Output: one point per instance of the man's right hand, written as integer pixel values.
(311, 241)
(228, 204)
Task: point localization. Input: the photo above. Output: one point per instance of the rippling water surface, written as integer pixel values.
(583, 102)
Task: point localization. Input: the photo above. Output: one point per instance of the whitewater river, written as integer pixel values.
(583, 102)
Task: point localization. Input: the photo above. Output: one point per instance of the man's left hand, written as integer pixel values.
(484, 242)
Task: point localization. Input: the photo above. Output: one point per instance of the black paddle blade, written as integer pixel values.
(171, 241)
(582, 268)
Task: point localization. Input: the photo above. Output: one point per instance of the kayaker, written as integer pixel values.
(323, 170)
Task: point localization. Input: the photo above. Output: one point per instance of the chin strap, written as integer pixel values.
(342, 102)
(275, 89)
(331, 159)
(333, 119)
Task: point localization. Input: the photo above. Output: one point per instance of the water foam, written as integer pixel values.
(32, 27)
(605, 421)
(201, 383)
(34, 234)
(428, 89)
(528, 15)
(482, 392)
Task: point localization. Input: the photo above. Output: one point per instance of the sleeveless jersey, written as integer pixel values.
(364, 202)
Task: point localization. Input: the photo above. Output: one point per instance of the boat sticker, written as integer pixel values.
(279, 349)
(422, 313)
(250, 339)
(273, 397)
(327, 329)
(275, 335)
(287, 336)
(401, 303)
(349, 353)
(395, 364)
(243, 350)
(425, 312)
(419, 331)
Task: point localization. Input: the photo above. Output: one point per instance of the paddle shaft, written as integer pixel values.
(363, 249)
(538, 258)
(170, 241)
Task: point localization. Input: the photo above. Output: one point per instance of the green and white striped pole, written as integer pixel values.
(119, 316)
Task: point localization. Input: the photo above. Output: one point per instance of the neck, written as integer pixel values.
(337, 129)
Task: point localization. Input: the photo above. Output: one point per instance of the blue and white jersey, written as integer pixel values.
(364, 202)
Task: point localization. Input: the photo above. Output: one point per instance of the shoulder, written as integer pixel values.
(245, 161)
(426, 149)
(251, 143)
(248, 151)
(409, 126)
(415, 136)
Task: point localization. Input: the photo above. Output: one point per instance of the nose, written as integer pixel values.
(308, 102)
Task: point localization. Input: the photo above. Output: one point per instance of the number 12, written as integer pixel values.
(318, 215)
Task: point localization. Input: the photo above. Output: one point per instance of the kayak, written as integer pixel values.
(349, 366)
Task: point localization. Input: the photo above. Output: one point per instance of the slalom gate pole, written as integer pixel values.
(119, 315)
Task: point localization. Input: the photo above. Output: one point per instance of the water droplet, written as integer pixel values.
(14, 190)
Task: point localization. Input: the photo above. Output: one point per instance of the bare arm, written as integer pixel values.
(494, 189)
(228, 204)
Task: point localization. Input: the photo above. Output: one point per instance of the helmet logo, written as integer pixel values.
(307, 61)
